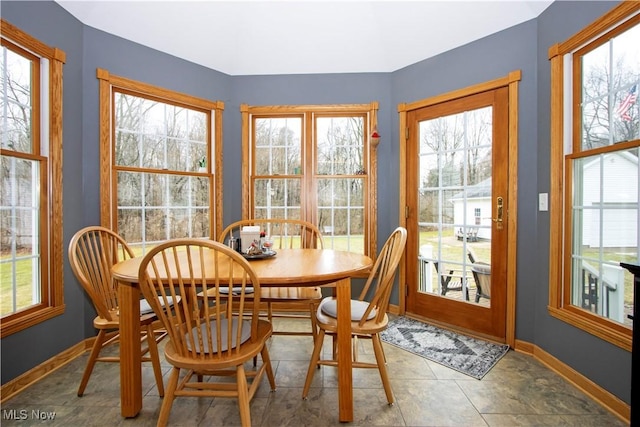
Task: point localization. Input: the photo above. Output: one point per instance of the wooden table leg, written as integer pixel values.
(345, 374)
(130, 357)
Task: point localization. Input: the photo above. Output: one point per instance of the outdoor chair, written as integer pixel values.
(481, 275)
(451, 279)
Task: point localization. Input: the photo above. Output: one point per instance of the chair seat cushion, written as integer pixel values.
(236, 290)
(245, 335)
(145, 307)
(329, 306)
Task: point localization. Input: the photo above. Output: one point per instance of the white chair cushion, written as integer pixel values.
(246, 334)
(329, 306)
(145, 307)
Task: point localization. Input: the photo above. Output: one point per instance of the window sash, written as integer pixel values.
(567, 153)
(31, 150)
(165, 170)
(598, 108)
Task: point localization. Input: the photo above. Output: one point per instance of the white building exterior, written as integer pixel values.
(620, 188)
(475, 212)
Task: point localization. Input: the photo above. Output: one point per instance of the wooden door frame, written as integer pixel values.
(511, 81)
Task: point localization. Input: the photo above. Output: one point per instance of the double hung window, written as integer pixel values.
(595, 132)
(161, 167)
(315, 163)
(31, 177)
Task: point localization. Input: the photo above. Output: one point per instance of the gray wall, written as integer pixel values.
(523, 47)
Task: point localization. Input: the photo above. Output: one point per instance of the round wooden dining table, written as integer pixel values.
(289, 267)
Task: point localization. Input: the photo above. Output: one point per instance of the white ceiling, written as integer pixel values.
(305, 36)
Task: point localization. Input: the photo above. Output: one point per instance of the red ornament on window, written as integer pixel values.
(375, 137)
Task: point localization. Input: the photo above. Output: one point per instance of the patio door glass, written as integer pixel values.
(459, 211)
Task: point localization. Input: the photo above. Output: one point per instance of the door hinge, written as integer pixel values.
(406, 133)
(406, 212)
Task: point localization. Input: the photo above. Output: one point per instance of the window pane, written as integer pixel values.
(151, 134)
(19, 247)
(605, 232)
(609, 91)
(156, 207)
(277, 198)
(15, 101)
(277, 146)
(449, 198)
(429, 207)
(341, 210)
(340, 143)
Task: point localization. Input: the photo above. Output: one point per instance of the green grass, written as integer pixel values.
(23, 289)
(452, 248)
(342, 243)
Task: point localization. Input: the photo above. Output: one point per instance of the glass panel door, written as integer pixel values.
(457, 192)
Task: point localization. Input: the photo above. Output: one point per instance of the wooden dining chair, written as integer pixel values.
(92, 253)
(214, 338)
(368, 313)
(285, 233)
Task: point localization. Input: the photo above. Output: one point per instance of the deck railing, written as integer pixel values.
(603, 295)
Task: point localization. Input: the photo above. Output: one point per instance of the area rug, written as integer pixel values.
(467, 355)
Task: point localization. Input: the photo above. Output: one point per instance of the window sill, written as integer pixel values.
(28, 320)
(621, 339)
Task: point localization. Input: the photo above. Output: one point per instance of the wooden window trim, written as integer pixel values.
(107, 82)
(51, 213)
(370, 109)
(560, 168)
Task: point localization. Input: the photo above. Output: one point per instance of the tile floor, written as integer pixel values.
(518, 391)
